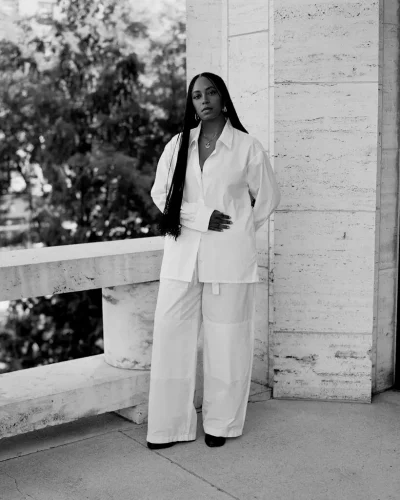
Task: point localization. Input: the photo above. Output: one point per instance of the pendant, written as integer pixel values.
(208, 145)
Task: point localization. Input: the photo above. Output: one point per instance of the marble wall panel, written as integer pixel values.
(387, 202)
(249, 83)
(322, 366)
(247, 17)
(231, 38)
(388, 212)
(248, 64)
(324, 271)
(326, 145)
(263, 243)
(249, 80)
(205, 30)
(390, 96)
(340, 159)
(386, 322)
(260, 359)
(326, 40)
(253, 111)
(391, 11)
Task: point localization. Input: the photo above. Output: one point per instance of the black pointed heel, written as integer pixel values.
(159, 446)
(214, 441)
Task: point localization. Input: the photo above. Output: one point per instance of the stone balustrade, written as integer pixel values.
(127, 271)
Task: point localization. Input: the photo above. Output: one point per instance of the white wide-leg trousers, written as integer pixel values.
(227, 313)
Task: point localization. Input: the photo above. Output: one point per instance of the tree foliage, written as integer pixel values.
(90, 101)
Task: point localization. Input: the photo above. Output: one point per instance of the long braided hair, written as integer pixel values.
(170, 220)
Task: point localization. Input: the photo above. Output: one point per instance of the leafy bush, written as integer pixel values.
(90, 101)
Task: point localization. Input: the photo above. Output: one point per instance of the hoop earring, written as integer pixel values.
(196, 117)
(224, 110)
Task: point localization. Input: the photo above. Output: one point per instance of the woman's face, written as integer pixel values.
(206, 100)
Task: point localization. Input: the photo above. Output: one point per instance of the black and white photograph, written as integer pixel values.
(199, 250)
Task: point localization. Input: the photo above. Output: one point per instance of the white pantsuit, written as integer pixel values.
(209, 277)
(227, 314)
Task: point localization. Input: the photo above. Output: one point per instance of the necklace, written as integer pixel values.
(208, 143)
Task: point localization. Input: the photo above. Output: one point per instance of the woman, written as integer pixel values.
(206, 180)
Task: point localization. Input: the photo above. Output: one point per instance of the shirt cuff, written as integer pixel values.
(203, 218)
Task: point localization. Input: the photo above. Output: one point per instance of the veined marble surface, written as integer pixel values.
(324, 271)
(386, 279)
(385, 329)
(249, 82)
(248, 17)
(328, 366)
(389, 75)
(326, 41)
(326, 146)
(388, 209)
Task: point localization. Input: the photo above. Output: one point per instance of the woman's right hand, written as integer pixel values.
(219, 221)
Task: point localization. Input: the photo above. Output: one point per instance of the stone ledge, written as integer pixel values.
(73, 268)
(48, 395)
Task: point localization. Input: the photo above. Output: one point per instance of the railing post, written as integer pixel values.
(128, 318)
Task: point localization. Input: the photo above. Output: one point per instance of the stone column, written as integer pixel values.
(233, 38)
(327, 161)
(387, 200)
(128, 318)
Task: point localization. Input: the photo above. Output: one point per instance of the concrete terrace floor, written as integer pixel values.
(290, 450)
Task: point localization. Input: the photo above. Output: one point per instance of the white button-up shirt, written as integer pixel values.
(239, 166)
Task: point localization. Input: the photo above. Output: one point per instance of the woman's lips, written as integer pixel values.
(207, 109)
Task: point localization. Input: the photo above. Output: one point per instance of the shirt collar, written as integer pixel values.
(226, 136)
